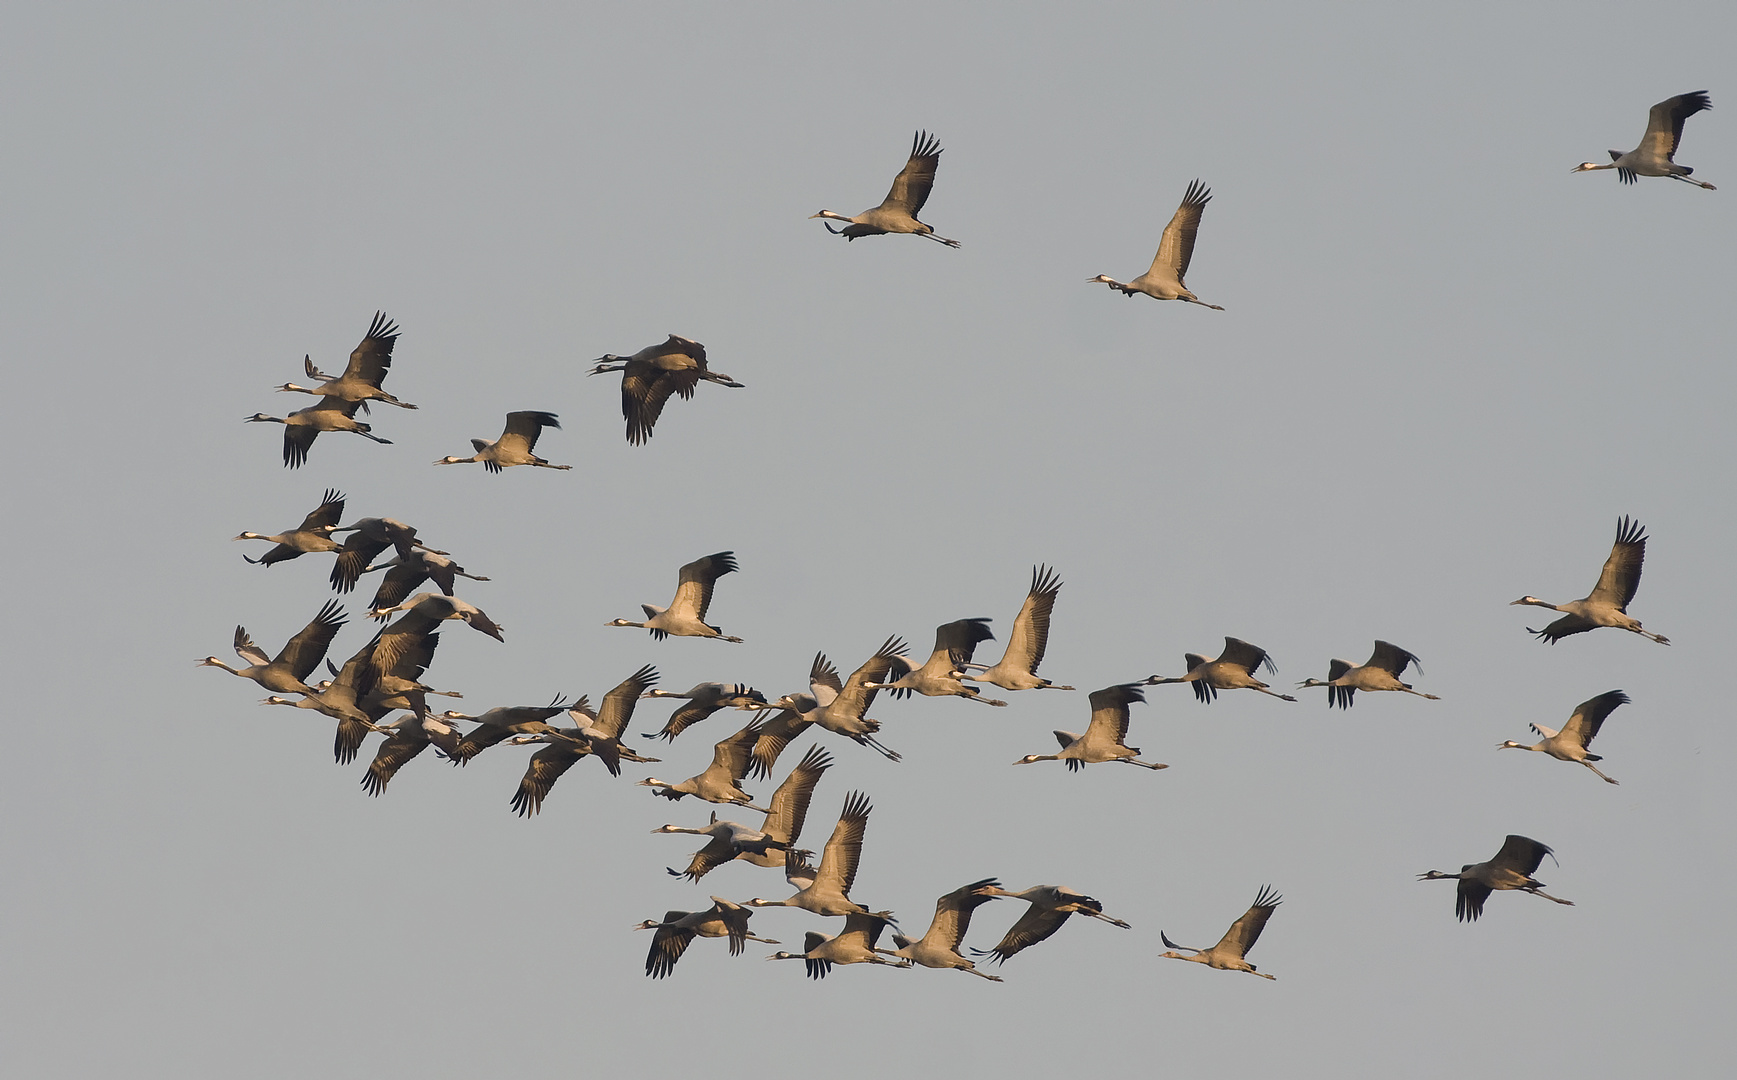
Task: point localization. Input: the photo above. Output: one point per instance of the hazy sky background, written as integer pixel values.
(1446, 367)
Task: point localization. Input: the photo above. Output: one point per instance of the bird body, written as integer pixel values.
(1228, 954)
(1017, 668)
(1105, 736)
(686, 614)
(1571, 742)
(898, 212)
(1233, 669)
(1164, 280)
(1607, 604)
(1656, 154)
(514, 446)
(1510, 869)
(1382, 672)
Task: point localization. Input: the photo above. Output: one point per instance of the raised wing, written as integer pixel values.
(1521, 854)
(821, 674)
(523, 428)
(1244, 932)
(694, 592)
(1391, 659)
(838, 862)
(1030, 636)
(959, 639)
(911, 187)
(329, 512)
(735, 753)
(854, 700)
(1243, 655)
(1110, 712)
(1620, 577)
(373, 357)
(953, 912)
(617, 707)
(1176, 247)
(1665, 122)
(303, 652)
(789, 807)
(1590, 715)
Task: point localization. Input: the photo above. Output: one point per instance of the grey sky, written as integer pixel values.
(1385, 435)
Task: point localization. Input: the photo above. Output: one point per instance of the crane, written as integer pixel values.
(1233, 669)
(1386, 664)
(1051, 906)
(842, 707)
(369, 362)
(1103, 740)
(1511, 868)
(304, 425)
(703, 700)
(314, 534)
(855, 944)
(898, 212)
(286, 673)
(1655, 156)
(1607, 604)
(1228, 954)
(939, 675)
(825, 890)
(1017, 668)
(686, 614)
(1164, 280)
(718, 783)
(679, 928)
(652, 374)
(515, 444)
(1571, 742)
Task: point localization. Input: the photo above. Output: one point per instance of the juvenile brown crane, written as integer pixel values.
(1164, 280)
(686, 614)
(314, 534)
(1607, 605)
(652, 374)
(1571, 742)
(1656, 154)
(898, 212)
(1105, 736)
(1228, 954)
(515, 444)
(369, 362)
(1511, 868)
(1386, 664)
(1233, 669)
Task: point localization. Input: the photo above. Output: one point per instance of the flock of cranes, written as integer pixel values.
(385, 676)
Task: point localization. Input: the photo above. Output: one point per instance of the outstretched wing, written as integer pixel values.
(1665, 122)
(1030, 636)
(1176, 247)
(911, 187)
(373, 357)
(694, 592)
(329, 512)
(1244, 932)
(1391, 659)
(523, 428)
(617, 707)
(303, 652)
(838, 862)
(1590, 714)
(1620, 577)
